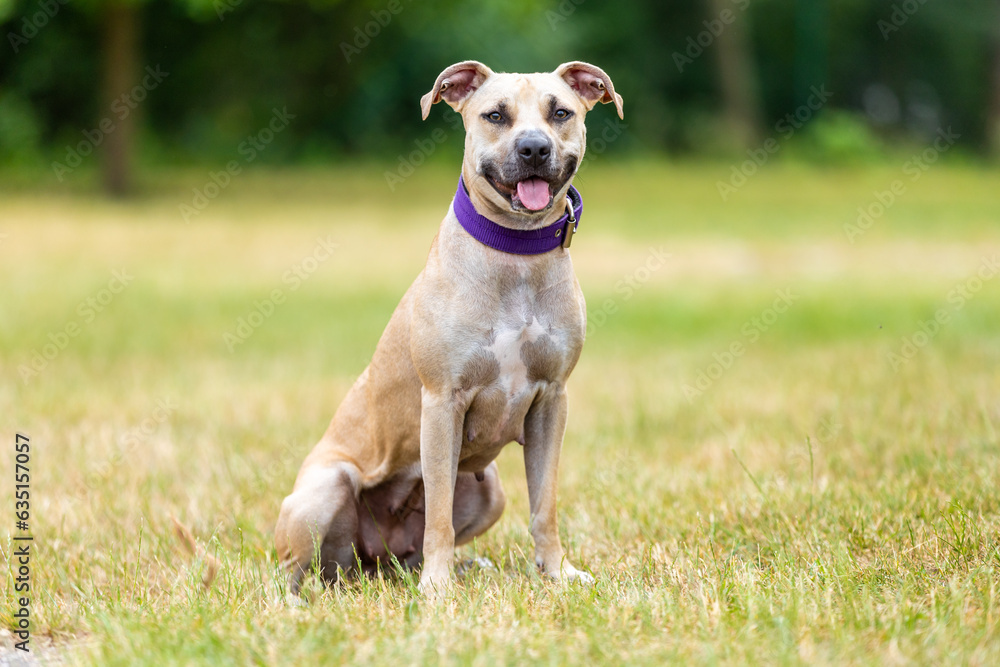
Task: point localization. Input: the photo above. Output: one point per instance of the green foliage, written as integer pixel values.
(19, 130)
(352, 70)
(7, 9)
(838, 137)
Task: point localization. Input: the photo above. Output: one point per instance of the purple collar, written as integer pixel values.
(518, 241)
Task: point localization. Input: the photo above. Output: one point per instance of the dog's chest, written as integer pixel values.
(512, 348)
(524, 352)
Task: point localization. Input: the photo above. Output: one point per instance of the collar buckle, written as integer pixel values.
(569, 229)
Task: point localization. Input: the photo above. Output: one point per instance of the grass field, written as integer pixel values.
(775, 454)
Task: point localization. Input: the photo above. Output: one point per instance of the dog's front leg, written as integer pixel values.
(544, 429)
(441, 418)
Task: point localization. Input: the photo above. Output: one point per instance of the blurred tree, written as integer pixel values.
(811, 36)
(122, 88)
(121, 27)
(737, 74)
(120, 63)
(993, 118)
(351, 71)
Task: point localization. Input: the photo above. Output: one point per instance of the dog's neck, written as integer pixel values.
(555, 230)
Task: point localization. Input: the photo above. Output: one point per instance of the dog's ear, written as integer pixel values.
(591, 83)
(455, 84)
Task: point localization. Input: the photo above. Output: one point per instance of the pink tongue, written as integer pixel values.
(534, 194)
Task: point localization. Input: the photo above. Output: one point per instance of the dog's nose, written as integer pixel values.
(534, 149)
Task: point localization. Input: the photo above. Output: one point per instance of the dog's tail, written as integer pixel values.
(212, 564)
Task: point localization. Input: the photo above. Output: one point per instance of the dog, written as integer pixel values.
(475, 356)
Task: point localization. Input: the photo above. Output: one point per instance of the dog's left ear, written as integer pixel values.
(591, 83)
(455, 84)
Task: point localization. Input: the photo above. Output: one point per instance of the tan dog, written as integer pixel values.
(476, 356)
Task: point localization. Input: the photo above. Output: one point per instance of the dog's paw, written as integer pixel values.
(289, 601)
(473, 564)
(571, 574)
(566, 573)
(436, 586)
(295, 601)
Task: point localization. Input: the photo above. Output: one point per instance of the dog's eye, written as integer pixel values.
(562, 114)
(494, 116)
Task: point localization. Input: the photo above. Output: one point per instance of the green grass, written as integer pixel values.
(813, 505)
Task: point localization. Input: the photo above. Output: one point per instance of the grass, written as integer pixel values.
(811, 505)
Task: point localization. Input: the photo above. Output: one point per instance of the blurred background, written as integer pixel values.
(783, 443)
(700, 78)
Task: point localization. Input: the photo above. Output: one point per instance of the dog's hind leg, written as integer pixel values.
(322, 513)
(478, 503)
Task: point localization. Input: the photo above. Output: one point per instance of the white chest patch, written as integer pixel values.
(506, 348)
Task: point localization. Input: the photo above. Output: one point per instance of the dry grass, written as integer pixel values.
(812, 506)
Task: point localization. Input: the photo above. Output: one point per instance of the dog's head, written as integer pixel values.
(525, 135)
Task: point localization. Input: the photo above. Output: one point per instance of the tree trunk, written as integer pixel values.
(737, 76)
(993, 112)
(811, 47)
(120, 64)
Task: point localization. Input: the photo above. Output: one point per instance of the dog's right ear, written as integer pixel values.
(455, 84)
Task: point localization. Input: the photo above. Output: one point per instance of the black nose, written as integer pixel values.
(534, 149)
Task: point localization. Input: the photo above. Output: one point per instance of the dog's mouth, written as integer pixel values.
(531, 194)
